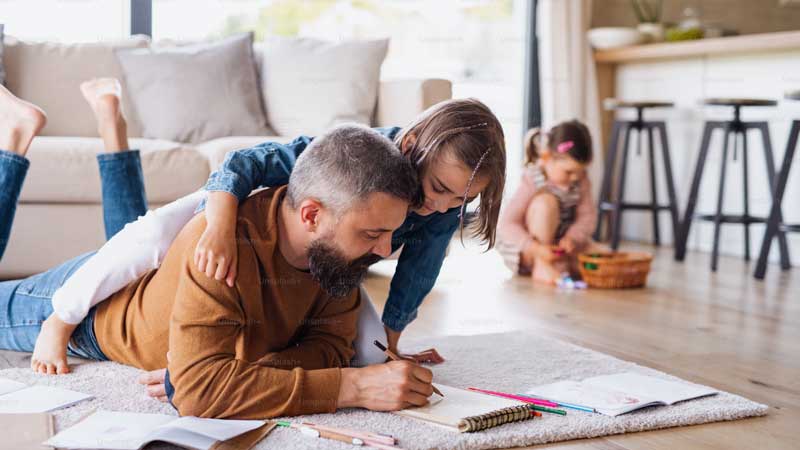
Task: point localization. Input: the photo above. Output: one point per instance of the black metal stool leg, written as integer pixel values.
(653, 181)
(720, 197)
(680, 243)
(774, 220)
(745, 191)
(673, 199)
(783, 246)
(608, 176)
(616, 213)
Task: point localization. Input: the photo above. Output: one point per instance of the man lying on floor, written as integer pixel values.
(279, 341)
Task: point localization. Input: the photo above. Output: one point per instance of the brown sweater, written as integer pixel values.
(270, 346)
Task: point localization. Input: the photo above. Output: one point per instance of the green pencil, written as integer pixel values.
(548, 410)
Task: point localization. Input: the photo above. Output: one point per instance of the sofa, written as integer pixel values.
(59, 215)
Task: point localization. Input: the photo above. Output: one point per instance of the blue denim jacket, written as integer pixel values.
(425, 237)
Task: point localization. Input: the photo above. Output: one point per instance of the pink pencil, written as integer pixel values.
(532, 400)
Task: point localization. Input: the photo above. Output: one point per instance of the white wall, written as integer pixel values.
(685, 82)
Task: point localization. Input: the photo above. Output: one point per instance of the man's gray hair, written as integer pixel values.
(346, 164)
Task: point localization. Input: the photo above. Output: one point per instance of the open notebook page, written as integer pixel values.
(457, 404)
(110, 430)
(621, 393)
(7, 386)
(36, 399)
(656, 389)
(217, 429)
(130, 431)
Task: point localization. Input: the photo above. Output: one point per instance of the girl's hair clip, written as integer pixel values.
(565, 146)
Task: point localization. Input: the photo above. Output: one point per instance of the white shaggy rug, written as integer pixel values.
(510, 362)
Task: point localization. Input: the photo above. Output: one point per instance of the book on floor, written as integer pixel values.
(620, 393)
(29, 431)
(132, 431)
(466, 411)
(20, 398)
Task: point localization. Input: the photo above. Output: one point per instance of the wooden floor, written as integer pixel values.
(726, 330)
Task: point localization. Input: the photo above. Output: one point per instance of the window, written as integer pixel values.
(477, 44)
(66, 20)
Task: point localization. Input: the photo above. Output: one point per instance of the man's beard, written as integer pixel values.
(335, 274)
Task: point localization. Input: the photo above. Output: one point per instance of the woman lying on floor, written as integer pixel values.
(123, 202)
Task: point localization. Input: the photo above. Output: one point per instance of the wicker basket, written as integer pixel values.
(615, 270)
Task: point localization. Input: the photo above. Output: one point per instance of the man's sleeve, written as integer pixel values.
(326, 339)
(207, 321)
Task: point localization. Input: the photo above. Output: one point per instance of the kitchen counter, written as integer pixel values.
(701, 47)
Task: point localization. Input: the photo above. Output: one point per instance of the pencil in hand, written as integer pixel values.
(395, 357)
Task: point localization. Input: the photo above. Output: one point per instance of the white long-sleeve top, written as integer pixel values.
(139, 247)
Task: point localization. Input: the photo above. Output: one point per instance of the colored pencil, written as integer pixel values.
(549, 410)
(394, 356)
(384, 439)
(341, 435)
(521, 398)
(569, 405)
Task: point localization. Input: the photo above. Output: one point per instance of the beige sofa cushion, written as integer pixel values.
(215, 150)
(65, 170)
(193, 93)
(48, 74)
(311, 85)
(401, 101)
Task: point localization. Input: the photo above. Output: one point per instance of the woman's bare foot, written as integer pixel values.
(104, 96)
(20, 121)
(50, 351)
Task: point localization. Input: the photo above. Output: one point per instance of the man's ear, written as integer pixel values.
(309, 214)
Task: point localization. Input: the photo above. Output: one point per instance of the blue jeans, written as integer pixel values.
(12, 173)
(26, 303)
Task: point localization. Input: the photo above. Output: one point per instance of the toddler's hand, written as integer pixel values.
(568, 245)
(548, 253)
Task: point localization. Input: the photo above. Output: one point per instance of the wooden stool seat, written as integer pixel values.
(613, 103)
(739, 102)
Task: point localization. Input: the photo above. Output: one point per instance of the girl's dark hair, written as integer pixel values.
(469, 131)
(537, 142)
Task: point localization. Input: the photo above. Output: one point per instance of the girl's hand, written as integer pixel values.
(568, 245)
(548, 253)
(216, 254)
(426, 356)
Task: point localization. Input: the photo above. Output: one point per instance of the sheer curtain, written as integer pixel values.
(568, 82)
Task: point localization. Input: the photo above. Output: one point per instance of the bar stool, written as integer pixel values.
(774, 222)
(614, 205)
(735, 127)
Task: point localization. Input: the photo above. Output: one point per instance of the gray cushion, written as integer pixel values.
(193, 93)
(311, 85)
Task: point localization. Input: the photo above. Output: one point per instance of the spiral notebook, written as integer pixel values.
(466, 411)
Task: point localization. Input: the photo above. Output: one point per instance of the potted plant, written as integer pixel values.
(649, 14)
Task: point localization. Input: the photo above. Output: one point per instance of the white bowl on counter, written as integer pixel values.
(613, 37)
